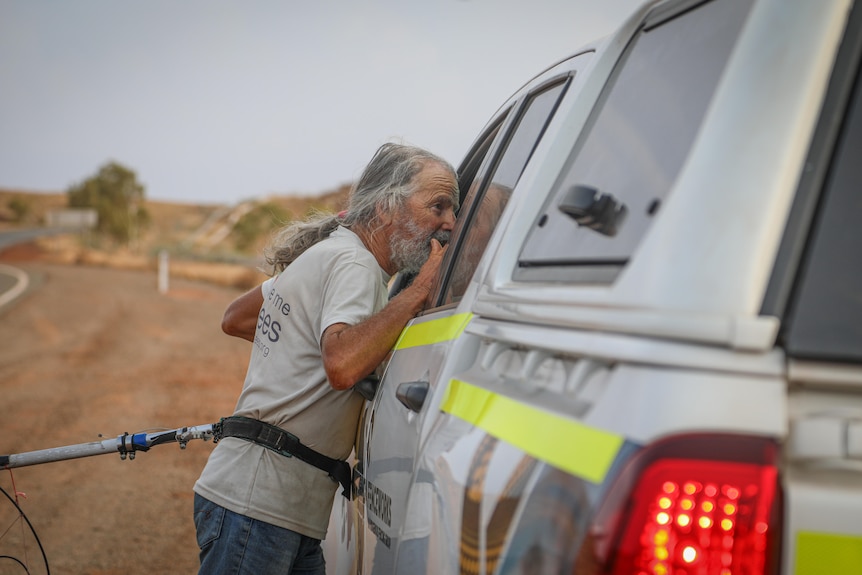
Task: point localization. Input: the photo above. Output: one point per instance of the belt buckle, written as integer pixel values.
(218, 431)
(279, 442)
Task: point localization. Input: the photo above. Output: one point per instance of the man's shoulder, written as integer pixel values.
(342, 235)
(344, 245)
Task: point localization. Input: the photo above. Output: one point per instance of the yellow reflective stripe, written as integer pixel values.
(824, 553)
(434, 331)
(583, 451)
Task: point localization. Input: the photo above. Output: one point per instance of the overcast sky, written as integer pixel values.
(215, 101)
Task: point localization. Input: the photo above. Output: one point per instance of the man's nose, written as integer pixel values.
(448, 220)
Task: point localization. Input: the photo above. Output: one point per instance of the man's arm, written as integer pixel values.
(351, 352)
(240, 317)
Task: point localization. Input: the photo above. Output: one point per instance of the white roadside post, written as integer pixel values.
(164, 265)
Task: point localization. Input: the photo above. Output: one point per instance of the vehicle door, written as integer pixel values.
(394, 532)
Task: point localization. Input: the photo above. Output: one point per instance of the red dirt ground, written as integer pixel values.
(89, 351)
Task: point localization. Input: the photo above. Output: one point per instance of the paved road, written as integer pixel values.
(12, 237)
(7, 281)
(14, 282)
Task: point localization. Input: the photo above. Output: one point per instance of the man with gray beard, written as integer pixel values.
(320, 324)
(411, 246)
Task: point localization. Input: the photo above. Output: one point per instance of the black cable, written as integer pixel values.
(33, 531)
(18, 561)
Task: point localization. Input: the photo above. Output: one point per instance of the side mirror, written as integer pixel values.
(592, 209)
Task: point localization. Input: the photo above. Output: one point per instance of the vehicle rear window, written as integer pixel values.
(635, 144)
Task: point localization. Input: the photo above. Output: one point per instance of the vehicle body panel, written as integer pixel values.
(545, 385)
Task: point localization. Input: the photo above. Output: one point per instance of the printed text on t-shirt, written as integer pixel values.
(267, 325)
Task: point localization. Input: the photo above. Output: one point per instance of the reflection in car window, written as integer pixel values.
(639, 137)
(487, 206)
(475, 166)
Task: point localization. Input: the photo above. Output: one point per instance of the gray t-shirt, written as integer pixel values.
(335, 281)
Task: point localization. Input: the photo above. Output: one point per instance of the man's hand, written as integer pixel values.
(430, 271)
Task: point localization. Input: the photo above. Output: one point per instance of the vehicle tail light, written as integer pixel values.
(697, 505)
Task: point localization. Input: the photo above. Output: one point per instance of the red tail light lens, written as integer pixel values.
(698, 515)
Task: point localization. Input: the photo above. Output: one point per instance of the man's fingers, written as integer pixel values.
(437, 247)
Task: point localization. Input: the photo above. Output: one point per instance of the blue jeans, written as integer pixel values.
(233, 544)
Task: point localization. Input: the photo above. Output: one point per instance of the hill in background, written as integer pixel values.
(220, 243)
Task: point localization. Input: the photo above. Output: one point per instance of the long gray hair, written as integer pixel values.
(386, 182)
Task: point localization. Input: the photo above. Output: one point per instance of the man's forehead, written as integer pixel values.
(436, 180)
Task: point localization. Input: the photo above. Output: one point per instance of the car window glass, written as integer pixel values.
(634, 145)
(487, 206)
(476, 165)
(826, 314)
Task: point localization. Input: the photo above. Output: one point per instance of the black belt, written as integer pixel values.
(283, 443)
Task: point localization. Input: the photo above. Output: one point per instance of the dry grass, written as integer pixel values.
(67, 249)
(172, 226)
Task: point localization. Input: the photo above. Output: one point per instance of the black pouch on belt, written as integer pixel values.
(284, 443)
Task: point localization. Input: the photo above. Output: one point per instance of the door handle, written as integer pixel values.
(412, 394)
(594, 209)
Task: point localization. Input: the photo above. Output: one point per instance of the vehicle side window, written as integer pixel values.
(488, 197)
(634, 146)
(825, 316)
(476, 165)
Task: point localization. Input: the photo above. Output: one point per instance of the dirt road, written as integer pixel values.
(91, 351)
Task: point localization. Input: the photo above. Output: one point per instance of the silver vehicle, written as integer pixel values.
(645, 352)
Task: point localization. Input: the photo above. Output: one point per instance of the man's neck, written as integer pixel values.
(377, 242)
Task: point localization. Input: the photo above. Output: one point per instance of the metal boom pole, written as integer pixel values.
(126, 445)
